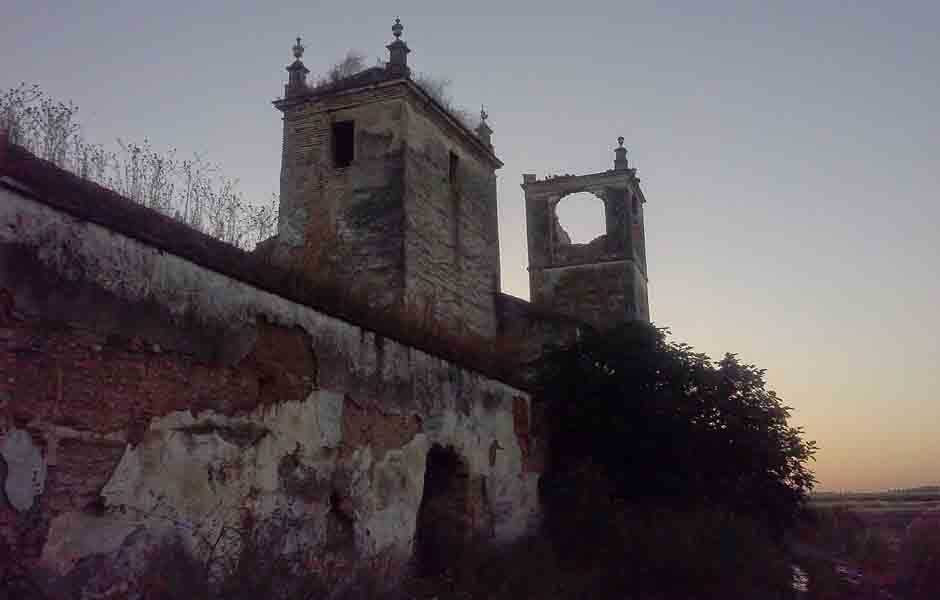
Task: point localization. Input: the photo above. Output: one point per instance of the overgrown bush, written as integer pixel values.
(625, 553)
(666, 426)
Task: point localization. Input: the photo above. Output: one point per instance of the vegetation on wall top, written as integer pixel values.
(190, 189)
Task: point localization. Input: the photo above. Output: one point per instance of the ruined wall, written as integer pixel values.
(601, 293)
(536, 328)
(143, 395)
(348, 220)
(452, 240)
(602, 282)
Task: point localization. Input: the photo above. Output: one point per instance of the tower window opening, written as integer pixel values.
(581, 218)
(343, 143)
(636, 206)
(452, 168)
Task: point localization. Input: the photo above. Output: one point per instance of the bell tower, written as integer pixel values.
(602, 282)
(385, 190)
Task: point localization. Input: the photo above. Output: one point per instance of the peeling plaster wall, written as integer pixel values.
(155, 391)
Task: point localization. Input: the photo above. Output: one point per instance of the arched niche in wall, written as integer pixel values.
(443, 524)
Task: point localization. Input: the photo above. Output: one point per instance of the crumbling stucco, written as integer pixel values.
(279, 407)
(26, 468)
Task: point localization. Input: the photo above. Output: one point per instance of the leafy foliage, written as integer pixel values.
(667, 426)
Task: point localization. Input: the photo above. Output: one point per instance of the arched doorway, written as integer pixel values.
(444, 521)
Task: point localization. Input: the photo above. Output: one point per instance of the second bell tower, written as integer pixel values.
(603, 282)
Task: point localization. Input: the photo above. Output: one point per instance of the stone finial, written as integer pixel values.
(484, 132)
(398, 53)
(620, 155)
(297, 82)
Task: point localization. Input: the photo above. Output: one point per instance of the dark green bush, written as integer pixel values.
(669, 427)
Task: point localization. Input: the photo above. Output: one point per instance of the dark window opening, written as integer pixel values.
(636, 205)
(452, 171)
(343, 143)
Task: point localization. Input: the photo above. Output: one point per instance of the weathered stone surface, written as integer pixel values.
(603, 282)
(26, 468)
(277, 407)
(405, 231)
(75, 535)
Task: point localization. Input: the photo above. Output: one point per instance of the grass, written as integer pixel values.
(650, 554)
(885, 545)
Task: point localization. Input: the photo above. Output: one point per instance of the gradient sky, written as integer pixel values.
(790, 155)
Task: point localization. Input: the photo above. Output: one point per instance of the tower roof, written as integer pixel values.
(395, 72)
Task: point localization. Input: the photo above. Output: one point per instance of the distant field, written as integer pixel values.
(923, 494)
(879, 543)
(891, 509)
(887, 504)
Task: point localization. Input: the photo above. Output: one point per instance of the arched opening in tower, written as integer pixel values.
(579, 219)
(444, 521)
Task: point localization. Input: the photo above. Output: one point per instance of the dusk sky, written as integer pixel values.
(789, 153)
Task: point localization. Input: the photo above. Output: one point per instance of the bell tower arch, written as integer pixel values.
(604, 281)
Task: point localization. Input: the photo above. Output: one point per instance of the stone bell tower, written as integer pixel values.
(603, 282)
(375, 167)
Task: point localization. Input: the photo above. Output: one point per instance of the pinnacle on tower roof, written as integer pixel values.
(620, 155)
(398, 52)
(297, 82)
(484, 131)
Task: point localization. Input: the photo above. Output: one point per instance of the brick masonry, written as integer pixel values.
(410, 231)
(154, 389)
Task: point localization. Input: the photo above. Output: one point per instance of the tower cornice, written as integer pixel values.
(376, 83)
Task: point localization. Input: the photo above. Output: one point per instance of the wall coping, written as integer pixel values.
(61, 190)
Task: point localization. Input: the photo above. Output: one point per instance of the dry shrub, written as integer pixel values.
(602, 549)
(844, 533)
(919, 563)
(258, 560)
(189, 189)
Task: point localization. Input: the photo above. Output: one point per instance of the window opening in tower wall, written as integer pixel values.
(343, 143)
(452, 171)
